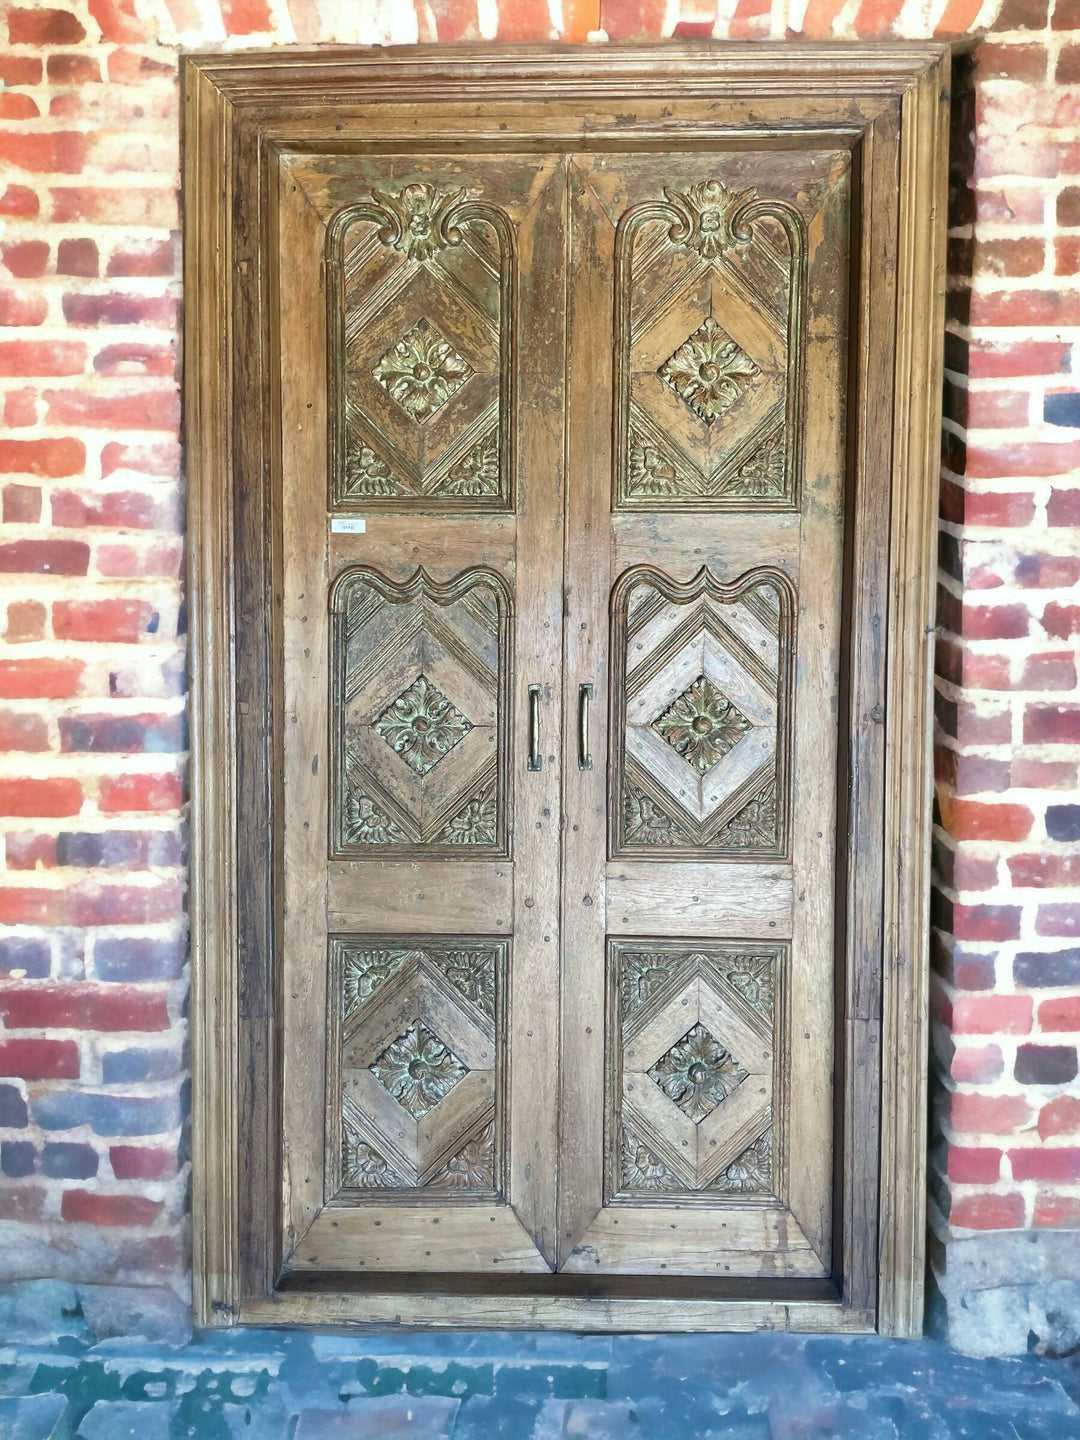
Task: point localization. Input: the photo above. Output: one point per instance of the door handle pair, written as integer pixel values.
(585, 694)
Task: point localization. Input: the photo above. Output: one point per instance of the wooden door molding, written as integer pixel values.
(245, 115)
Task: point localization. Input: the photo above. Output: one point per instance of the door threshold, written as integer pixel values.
(618, 1304)
(584, 1287)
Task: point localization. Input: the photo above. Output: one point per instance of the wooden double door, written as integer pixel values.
(563, 537)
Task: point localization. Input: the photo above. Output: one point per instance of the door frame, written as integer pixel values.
(241, 112)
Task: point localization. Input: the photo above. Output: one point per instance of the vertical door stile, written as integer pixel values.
(590, 236)
(533, 1041)
(306, 700)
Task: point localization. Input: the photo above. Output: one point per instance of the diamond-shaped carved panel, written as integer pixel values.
(414, 1096)
(694, 1069)
(702, 714)
(421, 381)
(702, 725)
(710, 285)
(419, 706)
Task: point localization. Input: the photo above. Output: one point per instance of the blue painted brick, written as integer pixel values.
(12, 1108)
(64, 1110)
(17, 1158)
(523, 1382)
(124, 1067)
(123, 734)
(126, 1420)
(31, 956)
(65, 1161)
(1063, 822)
(88, 849)
(1038, 969)
(1062, 409)
(106, 1114)
(122, 960)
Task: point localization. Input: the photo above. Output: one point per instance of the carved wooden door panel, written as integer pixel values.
(704, 576)
(418, 555)
(561, 632)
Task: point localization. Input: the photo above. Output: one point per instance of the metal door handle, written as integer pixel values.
(535, 759)
(585, 693)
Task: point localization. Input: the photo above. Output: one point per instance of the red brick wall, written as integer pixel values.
(92, 957)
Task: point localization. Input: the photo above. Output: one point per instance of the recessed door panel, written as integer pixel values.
(423, 334)
(709, 293)
(702, 714)
(421, 714)
(416, 1093)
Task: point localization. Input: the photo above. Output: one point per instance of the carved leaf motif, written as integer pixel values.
(367, 474)
(473, 1168)
(708, 371)
(650, 473)
(362, 1167)
(641, 1170)
(418, 1070)
(473, 973)
(750, 1172)
(754, 976)
(763, 472)
(706, 212)
(417, 219)
(477, 472)
(644, 821)
(366, 824)
(698, 1073)
(422, 725)
(754, 827)
(475, 824)
(362, 972)
(640, 974)
(422, 371)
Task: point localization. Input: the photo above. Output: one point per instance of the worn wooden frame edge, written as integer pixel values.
(216, 88)
(909, 703)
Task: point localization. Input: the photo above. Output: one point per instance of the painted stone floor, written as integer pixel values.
(269, 1385)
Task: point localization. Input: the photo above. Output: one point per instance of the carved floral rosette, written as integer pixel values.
(710, 288)
(422, 299)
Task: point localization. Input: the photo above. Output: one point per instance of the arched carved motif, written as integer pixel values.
(709, 299)
(702, 711)
(422, 298)
(420, 714)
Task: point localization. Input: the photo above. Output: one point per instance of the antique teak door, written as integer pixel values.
(562, 438)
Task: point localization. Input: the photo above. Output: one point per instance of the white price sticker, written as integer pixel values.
(347, 525)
